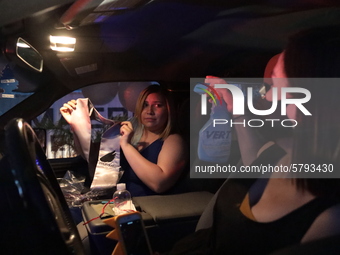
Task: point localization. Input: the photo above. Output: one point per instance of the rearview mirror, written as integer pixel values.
(29, 55)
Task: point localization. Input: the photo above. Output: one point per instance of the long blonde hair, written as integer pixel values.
(169, 127)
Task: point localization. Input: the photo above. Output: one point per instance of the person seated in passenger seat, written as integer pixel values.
(154, 163)
(260, 216)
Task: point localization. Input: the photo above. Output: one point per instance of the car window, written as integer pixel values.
(113, 100)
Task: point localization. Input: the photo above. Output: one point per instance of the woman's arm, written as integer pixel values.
(171, 161)
(249, 140)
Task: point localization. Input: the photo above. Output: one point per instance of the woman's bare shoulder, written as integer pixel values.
(174, 138)
(176, 144)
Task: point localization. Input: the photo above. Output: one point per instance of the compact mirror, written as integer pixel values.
(29, 55)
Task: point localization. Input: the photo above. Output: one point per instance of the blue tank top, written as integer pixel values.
(133, 184)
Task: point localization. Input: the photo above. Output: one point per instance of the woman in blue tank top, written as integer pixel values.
(153, 155)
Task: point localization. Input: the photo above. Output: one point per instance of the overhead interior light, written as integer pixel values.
(62, 43)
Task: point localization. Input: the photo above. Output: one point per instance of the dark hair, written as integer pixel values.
(315, 53)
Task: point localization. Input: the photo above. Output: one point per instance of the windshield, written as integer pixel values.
(8, 101)
(10, 92)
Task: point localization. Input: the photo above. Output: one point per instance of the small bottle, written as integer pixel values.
(122, 200)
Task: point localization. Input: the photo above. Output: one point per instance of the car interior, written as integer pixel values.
(114, 49)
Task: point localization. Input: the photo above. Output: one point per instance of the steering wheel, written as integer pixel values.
(36, 208)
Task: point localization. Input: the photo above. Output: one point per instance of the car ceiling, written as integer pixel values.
(166, 40)
(169, 41)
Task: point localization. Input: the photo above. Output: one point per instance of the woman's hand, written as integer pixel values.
(67, 109)
(126, 130)
(224, 93)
